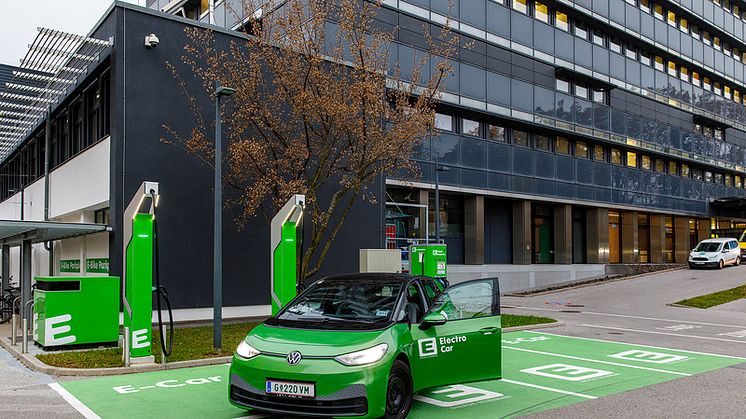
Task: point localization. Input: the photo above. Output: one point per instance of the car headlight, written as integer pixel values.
(246, 351)
(364, 357)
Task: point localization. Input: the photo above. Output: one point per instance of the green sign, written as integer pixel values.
(70, 265)
(97, 265)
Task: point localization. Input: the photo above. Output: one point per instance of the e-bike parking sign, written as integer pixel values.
(567, 372)
(640, 355)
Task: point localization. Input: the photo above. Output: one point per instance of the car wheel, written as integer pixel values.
(399, 391)
(721, 264)
(691, 266)
(738, 261)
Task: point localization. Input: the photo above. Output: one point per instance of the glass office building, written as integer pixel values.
(573, 132)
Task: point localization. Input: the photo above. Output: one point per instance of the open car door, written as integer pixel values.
(459, 339)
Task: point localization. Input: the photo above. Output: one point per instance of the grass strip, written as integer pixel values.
(196, 343)
(513, 320)
(716, 298)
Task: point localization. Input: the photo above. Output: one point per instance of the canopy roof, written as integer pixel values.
(13, 232)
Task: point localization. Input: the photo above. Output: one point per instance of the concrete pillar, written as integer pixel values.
(522, 233)
(703, 229)
(25, 276)
(474, 230)
(5, 268)
(423, 198)
(563, 234)
(657, 238)
(681, 239)
(597, 235)
(630, 246)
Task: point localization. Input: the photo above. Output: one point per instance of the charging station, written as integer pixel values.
(141, 277)
(283, 250)
(428, 260)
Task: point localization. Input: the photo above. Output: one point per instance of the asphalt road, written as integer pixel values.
(25, 393)
(636, 311)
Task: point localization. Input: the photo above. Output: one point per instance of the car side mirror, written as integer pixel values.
(724, 251)
(433, 319)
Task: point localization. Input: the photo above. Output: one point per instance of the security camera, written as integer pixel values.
(151, 41)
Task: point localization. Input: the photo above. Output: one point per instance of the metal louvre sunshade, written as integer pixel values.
(53, 63)
(13, 232)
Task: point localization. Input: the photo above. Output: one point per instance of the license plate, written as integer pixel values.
(699, 263)
(287, 388)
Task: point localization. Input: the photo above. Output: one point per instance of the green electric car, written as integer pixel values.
(363, 344)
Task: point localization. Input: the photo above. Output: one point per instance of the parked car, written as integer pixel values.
(715, 253)
(363, 344)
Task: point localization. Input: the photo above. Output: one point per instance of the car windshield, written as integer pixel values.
(708, 247)
(335, 304)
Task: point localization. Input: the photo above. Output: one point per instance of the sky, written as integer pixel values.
(21, 18)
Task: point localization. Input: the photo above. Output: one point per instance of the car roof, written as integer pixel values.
(358, 276)
(719, 240)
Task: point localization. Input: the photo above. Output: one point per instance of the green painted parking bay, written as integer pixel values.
(541, 371)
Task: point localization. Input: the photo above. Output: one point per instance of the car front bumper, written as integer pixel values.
(341, 391)
(704, 264)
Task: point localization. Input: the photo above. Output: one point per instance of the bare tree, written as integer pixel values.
(320, 109)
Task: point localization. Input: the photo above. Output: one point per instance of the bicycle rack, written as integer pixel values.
(28, 321)
(14, 332)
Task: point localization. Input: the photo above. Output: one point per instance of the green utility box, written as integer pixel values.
(428, 260)
(76, 310)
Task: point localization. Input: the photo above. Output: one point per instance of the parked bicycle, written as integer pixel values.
(6, 303)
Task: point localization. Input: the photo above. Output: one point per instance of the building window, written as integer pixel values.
(443, 122)
(659, 63)
(470, 127)
(581, 31)
(563, 85)
(520, 137)
(562, 146)
(598, 153)
(560, 20)
(101, 216)
(658, 12)
(616, 156)
(631, 159)
(708, 176)
(543, 240)
(629, 51)
(599, 96)
(645, 162)
(615, 45)
(684, 170)
(728, 180)
(542, 142)
(495, 132)
(673, 168)
(719, 178)
(660, 166)
(541, 12)
(581, 149)
(520, 5)
(581, 91)
(672, 18)
(737, 182)
(718, 134)
(598, 38)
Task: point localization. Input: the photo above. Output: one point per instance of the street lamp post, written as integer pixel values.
(217, 259)
(438, 168)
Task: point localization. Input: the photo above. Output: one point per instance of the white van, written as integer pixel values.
(715, 253)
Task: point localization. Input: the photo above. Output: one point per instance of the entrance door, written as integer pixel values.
(467, 347)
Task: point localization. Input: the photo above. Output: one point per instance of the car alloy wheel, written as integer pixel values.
(721, 264)
(399, 391)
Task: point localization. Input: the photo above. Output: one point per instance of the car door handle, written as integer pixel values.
(488, 330)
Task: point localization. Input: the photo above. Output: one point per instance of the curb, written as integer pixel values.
(590, 283)
(35, 364)
(533, 327)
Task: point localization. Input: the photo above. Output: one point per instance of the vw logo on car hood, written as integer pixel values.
(294, 358)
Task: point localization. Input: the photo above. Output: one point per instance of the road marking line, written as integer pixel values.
(554, 390)
(74, 402)
(663, 333)
(635, 344)
(631, 317)
(637, 367)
